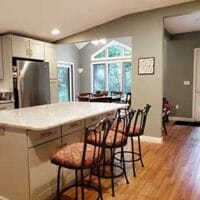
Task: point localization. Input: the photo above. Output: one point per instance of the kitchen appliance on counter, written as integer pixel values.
(31, 83)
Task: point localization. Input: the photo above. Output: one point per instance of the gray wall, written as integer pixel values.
(85, 61)
(69, 53)
(179, 68)
(146, 29)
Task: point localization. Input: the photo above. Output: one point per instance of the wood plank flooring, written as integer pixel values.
(171, 172)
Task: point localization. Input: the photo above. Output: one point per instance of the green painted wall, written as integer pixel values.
(179, 68)
(146, 29)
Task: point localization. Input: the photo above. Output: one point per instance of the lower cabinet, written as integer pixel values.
(42, 174)
(68, 174)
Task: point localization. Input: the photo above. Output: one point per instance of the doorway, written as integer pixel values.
(65, 81)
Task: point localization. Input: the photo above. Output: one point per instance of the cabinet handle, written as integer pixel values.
(45, 134)
(2, 131)
(94, 119)
(74, 125)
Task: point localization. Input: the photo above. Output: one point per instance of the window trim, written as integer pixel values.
(106, 48)
(121, 61)
(72, 78)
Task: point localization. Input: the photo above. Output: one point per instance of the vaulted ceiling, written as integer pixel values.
(37, 18)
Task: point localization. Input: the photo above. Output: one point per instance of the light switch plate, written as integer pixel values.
(186, 83)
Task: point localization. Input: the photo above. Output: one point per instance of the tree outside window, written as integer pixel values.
(112, 68)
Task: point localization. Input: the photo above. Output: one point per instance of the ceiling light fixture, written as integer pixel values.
(95, 42)
(100, 41)
(103, 41)
(55, 31)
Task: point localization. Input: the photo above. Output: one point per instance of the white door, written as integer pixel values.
(197, 85)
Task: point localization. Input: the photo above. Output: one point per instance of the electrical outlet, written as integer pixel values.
(177, 106)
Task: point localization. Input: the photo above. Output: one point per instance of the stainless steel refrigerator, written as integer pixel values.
(31, 83)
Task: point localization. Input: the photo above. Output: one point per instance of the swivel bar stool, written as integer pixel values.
(136, 130)
(82, 156)
(114, 140)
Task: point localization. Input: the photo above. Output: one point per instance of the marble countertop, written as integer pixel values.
(53, 115)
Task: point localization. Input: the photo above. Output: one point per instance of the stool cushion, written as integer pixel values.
(130, 133)
(98, 139)
(71, 156)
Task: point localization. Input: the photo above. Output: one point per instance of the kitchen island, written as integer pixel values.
(28, 136)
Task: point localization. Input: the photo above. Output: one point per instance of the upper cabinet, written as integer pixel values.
(50, 56)
(1, 61)
(27, 48)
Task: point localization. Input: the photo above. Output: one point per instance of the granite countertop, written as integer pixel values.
(53, 115)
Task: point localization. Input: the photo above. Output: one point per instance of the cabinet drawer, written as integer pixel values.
(39, 137)
(92, 120)
(72, 127)
(6, 106)
(109, 114)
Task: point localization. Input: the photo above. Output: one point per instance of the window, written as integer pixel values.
(111, 68)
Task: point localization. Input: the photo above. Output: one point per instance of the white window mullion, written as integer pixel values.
(107, 76)
(121, 81)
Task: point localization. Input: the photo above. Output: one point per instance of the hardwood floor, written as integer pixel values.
(171, 172)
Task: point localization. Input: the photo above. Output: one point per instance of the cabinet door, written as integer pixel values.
(68, 175)
(20, 47)
(50, 56)
(1, 61)
(54, 91)
(36, 49)
(43, 173)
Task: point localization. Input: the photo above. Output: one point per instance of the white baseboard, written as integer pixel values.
(181, 119)
(158, 140)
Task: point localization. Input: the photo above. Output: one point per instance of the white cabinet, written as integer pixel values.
(43, 173)
(4, 106)
(50, 56)
(1, 61)
(54, 91)
(27, 48)
(36, 49)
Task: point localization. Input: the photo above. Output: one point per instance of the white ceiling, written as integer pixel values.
(37, 18)
(183, 23)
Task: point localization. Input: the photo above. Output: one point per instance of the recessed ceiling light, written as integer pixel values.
(55, 31)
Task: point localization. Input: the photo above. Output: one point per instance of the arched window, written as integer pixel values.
(112, 68)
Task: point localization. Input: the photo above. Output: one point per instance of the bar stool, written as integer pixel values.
(82, 156)
(136, 130)
(114, 140)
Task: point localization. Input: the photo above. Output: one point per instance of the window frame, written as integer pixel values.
(69, 65)
(106, 60)
(121, 61)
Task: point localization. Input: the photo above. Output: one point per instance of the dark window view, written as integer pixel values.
(99, 74)
(64, 84)
(114, 77)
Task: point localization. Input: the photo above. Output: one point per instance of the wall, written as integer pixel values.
(85, 61)
(179, 67)
(146, 29)
(69, 53)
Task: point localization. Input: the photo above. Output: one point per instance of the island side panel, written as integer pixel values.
(14, 184)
